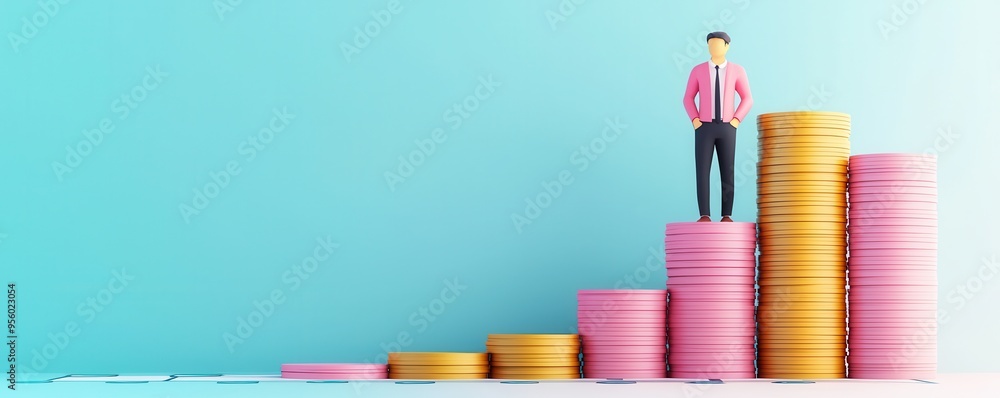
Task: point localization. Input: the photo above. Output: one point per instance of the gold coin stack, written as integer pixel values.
(534, 356)
(802, 227)
(438, 365)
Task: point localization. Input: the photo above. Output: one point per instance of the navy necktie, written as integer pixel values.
(718, 96)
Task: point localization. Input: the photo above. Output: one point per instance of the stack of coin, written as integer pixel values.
(438, 365)
(624, 333)
(711, 269)
(534, 356)
(334, 371)
(802, 222)
(892, 267)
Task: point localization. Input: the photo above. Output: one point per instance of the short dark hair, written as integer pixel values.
(718, 35)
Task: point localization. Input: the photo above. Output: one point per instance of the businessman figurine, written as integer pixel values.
(716, 84)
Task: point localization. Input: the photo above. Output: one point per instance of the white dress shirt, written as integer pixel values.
(722, 81)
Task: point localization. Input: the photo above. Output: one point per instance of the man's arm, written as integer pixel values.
(746, 99)
(689, 94)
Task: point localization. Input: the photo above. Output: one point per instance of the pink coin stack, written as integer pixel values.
(892, 268)
(624, 333)
(334, 371)
(710, 278)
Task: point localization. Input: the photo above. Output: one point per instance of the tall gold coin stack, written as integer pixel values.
(534, 356)
(438, 365)
(802, 227)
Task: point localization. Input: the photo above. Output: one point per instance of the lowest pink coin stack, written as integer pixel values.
(334, 371)
(710, 279)
(892, 268)
(624, 333)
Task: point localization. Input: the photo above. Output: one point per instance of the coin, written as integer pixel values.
(773, 150)
(358, 375)
(536, 370)
(533, 376)
(803, 274)
(535, 357)
(765, 125)
(802, 176)
(799, 375)
(538, 363)
(709, 228)
(493, 349)
(437, 376)
(833, 358)
(831, 259)
(713, 375)
(765, 153)
(333, 367)
(823, 195)
(432, 369)
(839, 140)
(437, 358)
(804, 116)
(825, 243)
(839, 162)
(803, 132)
(711, 369)
(731, 271)
(928, 373)
(624, 366)
(784, 371)
(802, 226)
(769, 211)
(533, 340)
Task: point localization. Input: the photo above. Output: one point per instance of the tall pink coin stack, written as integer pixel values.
(892, 268)
(624, 333)
(334, 371)
(710, 278)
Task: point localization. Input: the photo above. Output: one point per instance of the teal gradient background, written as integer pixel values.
(925, 85)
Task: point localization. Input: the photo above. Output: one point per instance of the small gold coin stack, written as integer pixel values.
(438, 365)
(534, 356)
(802, 227)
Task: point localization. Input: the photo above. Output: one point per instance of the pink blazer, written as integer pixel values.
(736, 82)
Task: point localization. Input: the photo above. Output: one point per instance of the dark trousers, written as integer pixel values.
(709, 138)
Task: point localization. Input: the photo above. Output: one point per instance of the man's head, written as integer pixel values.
(718, 44)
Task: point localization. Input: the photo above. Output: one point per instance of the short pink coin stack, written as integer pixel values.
(711, 270)
(334, 371)
(892, 268)
(624, 333)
